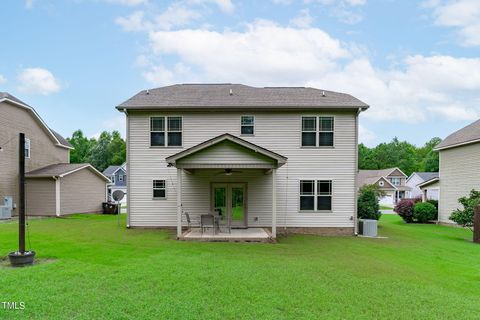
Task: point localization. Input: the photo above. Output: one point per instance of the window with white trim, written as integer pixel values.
(166, 131)
(248, 125)
(120, 177)
(396, 181)
(27, 148)
(317, 131)
(315, 195)
(159, 189)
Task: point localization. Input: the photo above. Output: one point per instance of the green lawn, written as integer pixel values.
(102, 271)
(385, 208)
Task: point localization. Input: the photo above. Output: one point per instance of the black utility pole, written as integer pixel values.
(21, 257)
(21, 196)
(476, 225)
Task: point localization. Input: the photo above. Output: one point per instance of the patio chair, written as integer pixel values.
(222, 220)
(189, 222)
(207, 221)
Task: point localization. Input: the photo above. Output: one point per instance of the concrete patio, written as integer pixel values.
(236, 235)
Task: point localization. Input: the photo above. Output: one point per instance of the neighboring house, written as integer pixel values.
(418, 178)
(44, 148)
(266, 157)
(118, 180)
(459, 168)
(391, 181)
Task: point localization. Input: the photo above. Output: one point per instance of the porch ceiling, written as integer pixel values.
(226, 151)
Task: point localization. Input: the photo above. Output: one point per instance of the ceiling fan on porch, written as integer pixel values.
(227, 172)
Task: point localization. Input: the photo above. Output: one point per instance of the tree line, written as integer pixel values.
(402, 154)
(110, 149)
(106, 150)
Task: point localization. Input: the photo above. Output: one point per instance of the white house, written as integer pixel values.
(417, 179)
(272, 158)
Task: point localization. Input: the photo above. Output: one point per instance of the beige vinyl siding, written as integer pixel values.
(44, 152)
(81, 192)
(279, 132)
(459, 173)
(40, 197)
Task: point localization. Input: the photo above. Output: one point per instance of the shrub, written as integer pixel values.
(465, 217)
(424, 212)
(405, 209)
(368, 207)
(434, 202)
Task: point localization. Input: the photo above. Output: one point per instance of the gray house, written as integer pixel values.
(275, 158)
(52, 182)
(459, 168)
(391, 181)
(118, 180)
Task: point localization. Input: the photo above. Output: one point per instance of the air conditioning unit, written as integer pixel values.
(6, 209)
(368, 227)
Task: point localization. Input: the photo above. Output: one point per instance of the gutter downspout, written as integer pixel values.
(355, 210)
(128, 166)
(57, 196)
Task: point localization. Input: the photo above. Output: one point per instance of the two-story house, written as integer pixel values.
(118, 180)
(391, 181)
(53, 185)
(274, 157)
(416, 180)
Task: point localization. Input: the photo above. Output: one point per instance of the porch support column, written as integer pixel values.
(274, 203)
(179, 203)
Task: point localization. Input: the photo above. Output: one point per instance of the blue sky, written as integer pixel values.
(416, 63)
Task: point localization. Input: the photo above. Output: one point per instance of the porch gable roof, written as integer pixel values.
(226, 151)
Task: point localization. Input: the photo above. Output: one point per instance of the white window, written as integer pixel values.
(113, 178)
(120, 177)
(317, 131)
(315, 195)
(159, 189)
(166, 131)
(248, 125)
(395, 181)
(27, 148)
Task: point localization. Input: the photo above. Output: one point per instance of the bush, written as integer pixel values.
(465, 217)
(405, 209)
(434, 202)
(424, 212)
(368, 207)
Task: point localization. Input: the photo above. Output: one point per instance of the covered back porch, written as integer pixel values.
(231, 179)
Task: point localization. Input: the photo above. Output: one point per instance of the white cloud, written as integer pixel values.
(461, 14)
(226, 6)
(366, 136)
(302, 20)
(2, 79)
(37, 81)
(131, 3)
(134, 22)
(175, 15)
(29, 4)
(117, 123)
(265, 54)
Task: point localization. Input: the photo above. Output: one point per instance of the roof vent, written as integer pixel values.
(324, 94)
(231, 92)
(148, 91)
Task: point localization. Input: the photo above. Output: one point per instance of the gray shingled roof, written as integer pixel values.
(110, 170)
(59, 169)
(427, 175)
(57, 135)
(371, 176)
(468, 134)
(203, 96)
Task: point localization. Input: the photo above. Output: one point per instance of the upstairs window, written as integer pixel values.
(159, 189)
(395, 181)
(248, 125)
(309, 131)
(317, 131)
(120, 177)
(325, 132)
(316, 195)
(27, 148)
(166, 131)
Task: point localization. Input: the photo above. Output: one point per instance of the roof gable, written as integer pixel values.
(466, 135)
(55, 136)
(226, 151)
(63, 169)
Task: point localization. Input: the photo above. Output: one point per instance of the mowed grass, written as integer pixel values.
(102, 271)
